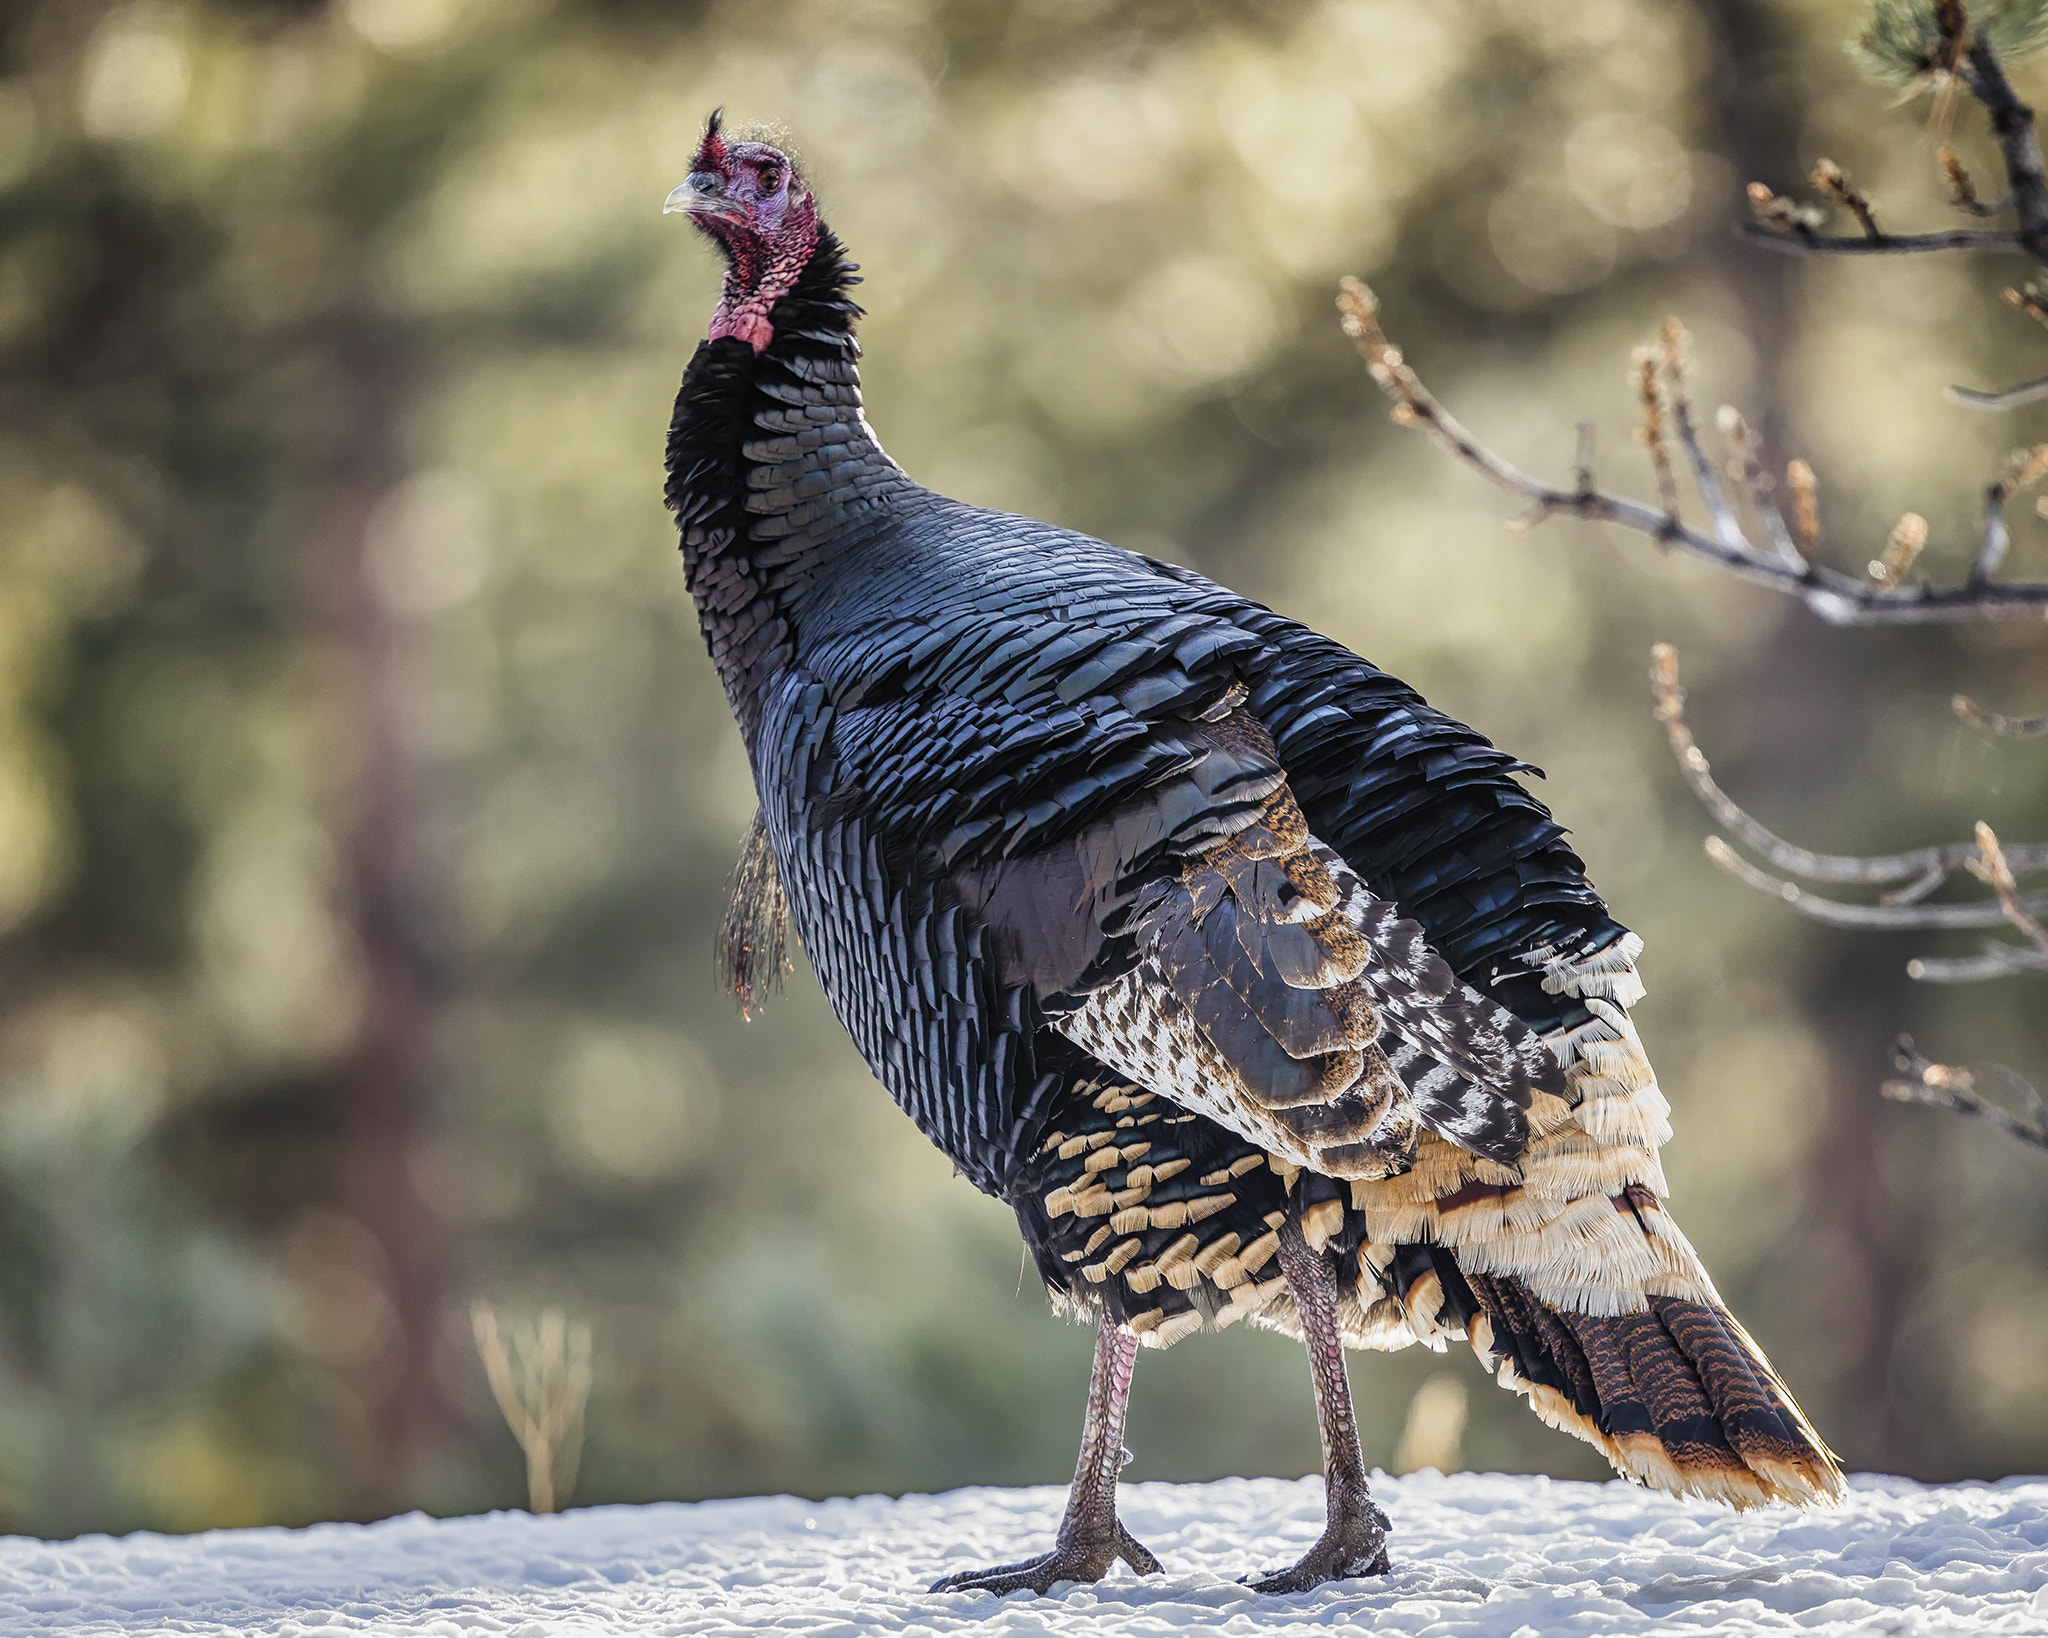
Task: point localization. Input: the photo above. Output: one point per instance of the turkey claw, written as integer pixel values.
(1070, 1560)
(1355, 1547)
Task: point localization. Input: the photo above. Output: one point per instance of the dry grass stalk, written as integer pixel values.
(1434, 1433)
(540, 1375)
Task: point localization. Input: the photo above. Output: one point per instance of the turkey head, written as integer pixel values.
(749, 198)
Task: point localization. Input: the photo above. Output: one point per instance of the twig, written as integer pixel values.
(1671, 353)
(540, 1376)
(1922, 869)
(1995, 960)
(2028, 299)
(1967, 56)
(1833, 181)
(1895, 918)
(1837, 598)
(2027, 392)
(2023, 469)
(1946, 1086)
(2012, 127)
(1995, 723)
(1994, 869)
(1748, 465)
(1582, 462)
(1963, 191)
(1802, 241)
(1651, 432)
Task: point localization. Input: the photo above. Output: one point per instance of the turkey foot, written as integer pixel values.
(1354, 1540)
(1353, 1543)
(1091, 1537)
(1076, 1558)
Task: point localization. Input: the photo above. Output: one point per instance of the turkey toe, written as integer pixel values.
(1072, 1560)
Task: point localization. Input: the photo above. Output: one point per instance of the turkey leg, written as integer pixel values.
(1091, 1537)
(1354, 1541)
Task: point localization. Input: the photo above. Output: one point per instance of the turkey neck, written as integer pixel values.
(772, 472)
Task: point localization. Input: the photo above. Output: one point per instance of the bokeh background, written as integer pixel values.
(366, 797)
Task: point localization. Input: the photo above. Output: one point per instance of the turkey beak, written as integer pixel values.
(704, 195)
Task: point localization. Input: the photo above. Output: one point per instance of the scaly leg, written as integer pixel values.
(1091, 1537)
(1354, 1541)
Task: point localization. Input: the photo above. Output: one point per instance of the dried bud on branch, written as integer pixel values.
(1651, 433)
(2029, 299)
(1805, 489)
(1994, 722)
(1833, 181)
(1950, 1086)
(1774, 210)
(1962, 192)
(1836, 597)
(1909, 535)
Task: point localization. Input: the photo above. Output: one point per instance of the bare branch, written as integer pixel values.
(1994, 868)
(1837, 598)
(1747, 464)
(1995, 723)
(1803, 241)
(1671, 353)
(1582, 464)
(1966, 57)
(1923, 869)
(1963, 191)
(1995, 960)
(2012, 127)
(1833, 181)
(1896, 918)
(2024, 469)
(2027, 392)
(1945, 1086)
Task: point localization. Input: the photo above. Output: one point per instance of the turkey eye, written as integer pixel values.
(771, 178)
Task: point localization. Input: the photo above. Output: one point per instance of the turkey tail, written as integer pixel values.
(1677, 1397)
(1574, 1286)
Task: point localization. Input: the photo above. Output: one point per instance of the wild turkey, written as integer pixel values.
(1258, 988)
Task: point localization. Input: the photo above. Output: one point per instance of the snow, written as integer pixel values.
(1508, 1557)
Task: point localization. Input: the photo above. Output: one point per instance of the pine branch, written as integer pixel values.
(1915, 43)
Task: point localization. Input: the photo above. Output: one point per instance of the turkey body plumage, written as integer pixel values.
(1238, 971)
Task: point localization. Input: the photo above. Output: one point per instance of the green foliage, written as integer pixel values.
(1902, 42)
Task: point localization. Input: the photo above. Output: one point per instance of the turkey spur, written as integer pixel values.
(1259, 989)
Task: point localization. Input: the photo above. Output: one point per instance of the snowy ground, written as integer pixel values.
(1477, 1554)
